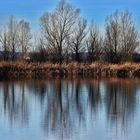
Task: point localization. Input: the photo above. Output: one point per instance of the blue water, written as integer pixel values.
(70, 109)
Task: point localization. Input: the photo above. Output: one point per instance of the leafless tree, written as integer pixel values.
(77, 38)
(57, 26)
(43, 54)
(121, 37)
(4, 42)
(94, 43)
(129, 36)
(112, 37)
(13, 36)
(24, 37)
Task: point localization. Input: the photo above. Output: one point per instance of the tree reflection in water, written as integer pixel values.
(15, 104)
(94, 95)
(65, 108)
(120, 103)
(65, 105)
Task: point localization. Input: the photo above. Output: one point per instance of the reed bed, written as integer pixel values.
(21, 69)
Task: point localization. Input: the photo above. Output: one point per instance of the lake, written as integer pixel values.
(78, 109)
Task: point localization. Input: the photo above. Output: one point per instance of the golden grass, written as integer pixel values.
(74, 65)
(33, 69)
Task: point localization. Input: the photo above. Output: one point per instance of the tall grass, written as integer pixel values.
(19, 69)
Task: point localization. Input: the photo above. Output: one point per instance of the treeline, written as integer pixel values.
(64, 35)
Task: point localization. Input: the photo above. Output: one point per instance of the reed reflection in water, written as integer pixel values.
(70, 109)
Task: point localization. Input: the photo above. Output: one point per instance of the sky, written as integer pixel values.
(96, 10)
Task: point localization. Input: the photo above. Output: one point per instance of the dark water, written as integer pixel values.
(70, 110)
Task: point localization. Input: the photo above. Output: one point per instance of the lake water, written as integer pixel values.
(70, 110)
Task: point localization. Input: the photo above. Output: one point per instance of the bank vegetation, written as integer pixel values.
(18, 70)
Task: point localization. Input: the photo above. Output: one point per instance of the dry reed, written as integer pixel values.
(20, 69)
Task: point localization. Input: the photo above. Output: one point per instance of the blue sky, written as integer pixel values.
(97, 10)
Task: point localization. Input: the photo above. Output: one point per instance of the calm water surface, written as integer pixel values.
(70, 110)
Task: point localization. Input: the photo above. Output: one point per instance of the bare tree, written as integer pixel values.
(129, 36)
(112, 37)
(4, 42)
(94, 44)
(43, 54)
(121, 37)
(57, 26)
(77, 38)
(24, 38)
(13, 36)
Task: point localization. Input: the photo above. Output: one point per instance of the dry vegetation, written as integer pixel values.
(43, 70)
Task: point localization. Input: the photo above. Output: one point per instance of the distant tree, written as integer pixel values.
(4, 42)
(94, 44)
(77, 38)
(129, 36)
(121, 38)
(43, 54)
(112, 38)
(57, 26)
(24, 38)
(13, 36)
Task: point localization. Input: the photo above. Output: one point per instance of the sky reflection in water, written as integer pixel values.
(70, 109)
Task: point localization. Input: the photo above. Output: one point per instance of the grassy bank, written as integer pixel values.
(43, 70)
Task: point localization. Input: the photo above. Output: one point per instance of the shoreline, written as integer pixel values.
(24, 70)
